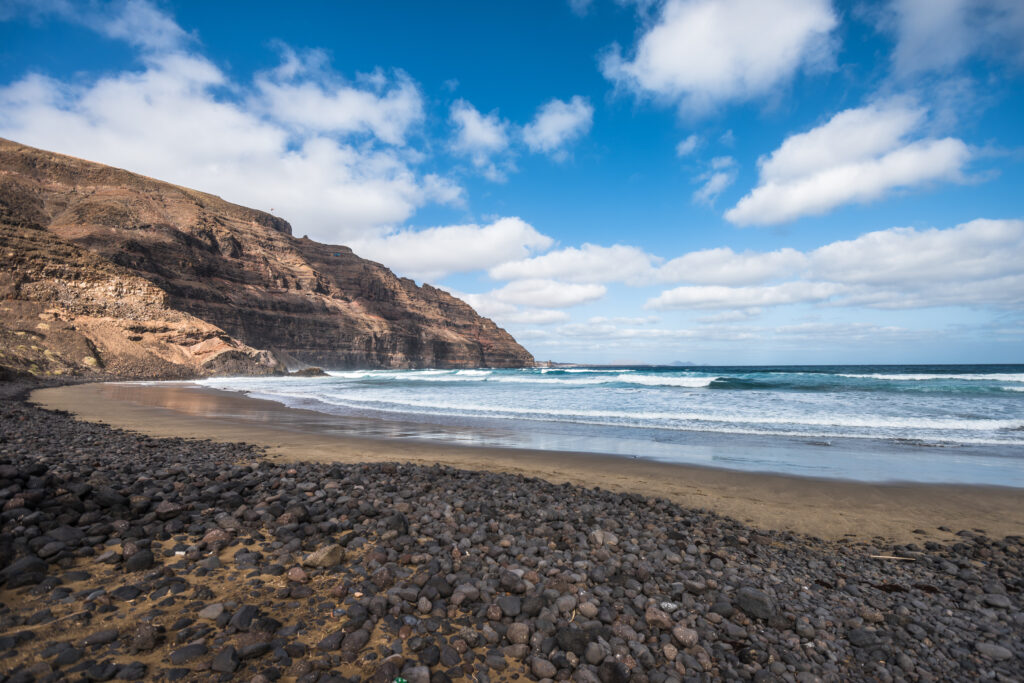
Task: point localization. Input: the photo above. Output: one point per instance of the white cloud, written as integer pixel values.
(589, 263)
(580, 7)
(479, 136)
(844, 333)
(937, 35)
(142, 24)
(137, 22)
(859, 155)
(980, 263)
(557, 123)
(303, 94)
(542, 293)
(437, 252)
(704, 52)
(713, 296)
(722, 174)
(687, 146)
(737, 315)
(606, 329)
(181, 119)
(534, 317)
(976, 251)
(645, 320)
(723, 266)
(509, 314)
(715, 184)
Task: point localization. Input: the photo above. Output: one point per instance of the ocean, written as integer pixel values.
(921, 423)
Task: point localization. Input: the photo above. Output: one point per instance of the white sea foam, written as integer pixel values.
(667, 380)
(621, 377)
(632, 403)
(677, 420)
(995, 377)
(594, 370)
(415, 408)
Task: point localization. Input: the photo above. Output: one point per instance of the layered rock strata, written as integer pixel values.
(138, 243)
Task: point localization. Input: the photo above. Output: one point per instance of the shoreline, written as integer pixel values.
(825, 508)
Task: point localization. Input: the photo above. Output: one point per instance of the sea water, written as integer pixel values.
(961, 424)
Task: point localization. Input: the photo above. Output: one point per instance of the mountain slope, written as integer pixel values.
(235, 269)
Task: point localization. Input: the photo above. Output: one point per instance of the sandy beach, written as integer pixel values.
(828, 509)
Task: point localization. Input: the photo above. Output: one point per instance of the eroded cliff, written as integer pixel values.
(135, 250)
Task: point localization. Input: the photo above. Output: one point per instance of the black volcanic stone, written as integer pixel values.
(572, 639)
(140, 561)
(187, 654)
(226, 661)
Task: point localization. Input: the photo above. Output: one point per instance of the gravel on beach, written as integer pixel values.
(125, 557)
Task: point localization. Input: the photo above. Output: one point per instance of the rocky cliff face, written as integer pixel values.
(108, 252)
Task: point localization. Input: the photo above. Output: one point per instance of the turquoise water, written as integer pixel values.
(877, 423)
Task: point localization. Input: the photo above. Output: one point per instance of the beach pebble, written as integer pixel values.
(518, 633)
(542, 668)
(658, 618)
(997, 600)
(326, 556)
(755, 602)
(510, 605)
(187, 654)
(993, 651)
(211, 611)
(686, 637)
(139, 561)
(103, 637)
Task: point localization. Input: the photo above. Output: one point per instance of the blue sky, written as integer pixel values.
(715, 181)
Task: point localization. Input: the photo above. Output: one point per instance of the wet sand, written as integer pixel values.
(817, 507)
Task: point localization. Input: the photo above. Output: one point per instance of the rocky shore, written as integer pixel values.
(128, 557)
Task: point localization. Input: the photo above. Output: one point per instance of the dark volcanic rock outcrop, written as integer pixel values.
(238, 270)
(65, 311)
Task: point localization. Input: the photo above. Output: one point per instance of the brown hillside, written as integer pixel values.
(171, 256)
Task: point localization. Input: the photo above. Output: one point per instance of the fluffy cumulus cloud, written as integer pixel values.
(181, 118)
(744, 297)
(723, 266)
(700, 53)
(980, 263)
(479, 137)
(541, 293)
(720, 175)
(510, 314)
(142, 24)
(137, 22)
(558, 123)
(304, 94)
(937, 35)
(859, 155)
(589, 263)
(688, 145)
(532, 302)
(437, 252)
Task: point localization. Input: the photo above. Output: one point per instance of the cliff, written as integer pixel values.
(146, 278)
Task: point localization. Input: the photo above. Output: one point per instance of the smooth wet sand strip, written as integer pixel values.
(825, 508)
